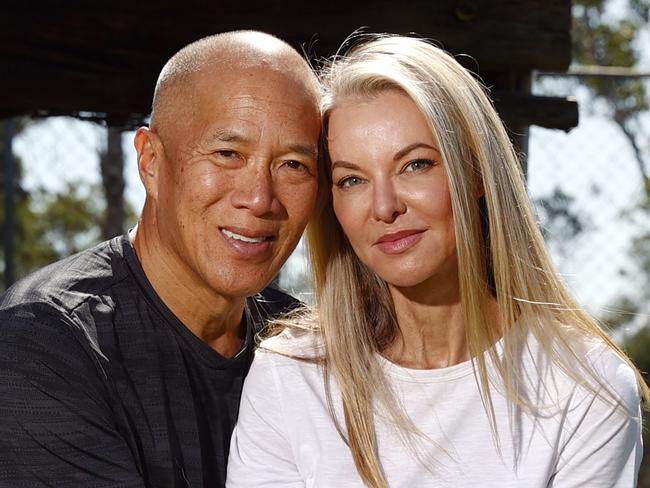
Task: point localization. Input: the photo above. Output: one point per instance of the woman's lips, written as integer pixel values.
(399, 242)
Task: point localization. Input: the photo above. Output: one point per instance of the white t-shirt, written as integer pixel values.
(286, 437)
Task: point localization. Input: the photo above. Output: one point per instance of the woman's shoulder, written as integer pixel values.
(286, 367)
(587, 362)
(615, 372)
(294, 344)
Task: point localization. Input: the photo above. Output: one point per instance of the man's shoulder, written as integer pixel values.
(276, 300)
(65, 284)
(61, 296)
(270, 303)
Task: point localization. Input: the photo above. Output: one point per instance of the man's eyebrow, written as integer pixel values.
(307, 150)
(228, 135)
(411, 147)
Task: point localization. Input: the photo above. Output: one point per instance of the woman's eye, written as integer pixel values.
(349, 181)
(418, 165)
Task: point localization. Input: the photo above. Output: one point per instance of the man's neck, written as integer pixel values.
(216, 320)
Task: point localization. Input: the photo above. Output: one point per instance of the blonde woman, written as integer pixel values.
(445, 350)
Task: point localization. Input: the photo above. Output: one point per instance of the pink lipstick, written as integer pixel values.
(399, 242)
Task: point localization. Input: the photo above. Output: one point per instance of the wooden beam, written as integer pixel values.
(520, 110)
(585, 71)
(104, 56)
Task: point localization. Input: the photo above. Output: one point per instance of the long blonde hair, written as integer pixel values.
(500, 249)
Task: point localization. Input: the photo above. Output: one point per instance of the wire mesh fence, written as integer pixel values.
(57, 197)
(57, 151)
(591, 195)
(586, 184)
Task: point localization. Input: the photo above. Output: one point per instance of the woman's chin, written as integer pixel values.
(403, 281)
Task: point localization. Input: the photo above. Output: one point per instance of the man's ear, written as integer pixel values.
(150, 155)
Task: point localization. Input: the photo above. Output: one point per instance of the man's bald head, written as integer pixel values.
(237, 50)
(230, 166)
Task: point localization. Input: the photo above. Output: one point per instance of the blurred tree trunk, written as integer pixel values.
(48, 225)
(112, 170)
(9, 210)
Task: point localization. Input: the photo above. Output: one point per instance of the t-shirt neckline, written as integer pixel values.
(435, 375)
(207, 355)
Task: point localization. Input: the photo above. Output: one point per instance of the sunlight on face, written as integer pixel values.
(241, 182)
(390, 189)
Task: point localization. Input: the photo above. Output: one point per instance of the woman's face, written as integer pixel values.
(390, 189)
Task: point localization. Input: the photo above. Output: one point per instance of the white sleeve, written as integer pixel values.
(603, 446)
(260, 451)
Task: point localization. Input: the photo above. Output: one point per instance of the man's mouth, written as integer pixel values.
(239, 237)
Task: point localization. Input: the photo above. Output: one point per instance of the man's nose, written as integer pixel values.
(387, 203)
(255, 190)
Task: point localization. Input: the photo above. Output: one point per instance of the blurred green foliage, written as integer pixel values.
(51, 225)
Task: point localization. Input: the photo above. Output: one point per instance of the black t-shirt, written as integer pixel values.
(101, 385)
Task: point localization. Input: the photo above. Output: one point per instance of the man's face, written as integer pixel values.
(239, 180)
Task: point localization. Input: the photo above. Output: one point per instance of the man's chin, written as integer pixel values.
(241, 288)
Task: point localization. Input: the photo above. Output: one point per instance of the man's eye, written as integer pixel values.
(349, 181)
(292, 164)
(227, 154)
(418, 165)
(228, 158)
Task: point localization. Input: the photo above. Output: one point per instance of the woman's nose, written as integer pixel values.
(387, 202)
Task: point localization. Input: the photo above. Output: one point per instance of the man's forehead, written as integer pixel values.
(232, 72)
(244, 90)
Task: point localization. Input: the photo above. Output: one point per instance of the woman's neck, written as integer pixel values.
(431, 326)
(430, 335)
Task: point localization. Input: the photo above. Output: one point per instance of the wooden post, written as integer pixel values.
(9, 227)
(112, 171)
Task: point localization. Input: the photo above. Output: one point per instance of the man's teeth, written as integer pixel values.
(239, 237)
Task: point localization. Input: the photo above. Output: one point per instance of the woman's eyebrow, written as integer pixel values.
(403, 152)
(343, 164)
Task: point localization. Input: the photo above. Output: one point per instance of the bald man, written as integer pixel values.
(123, 365)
